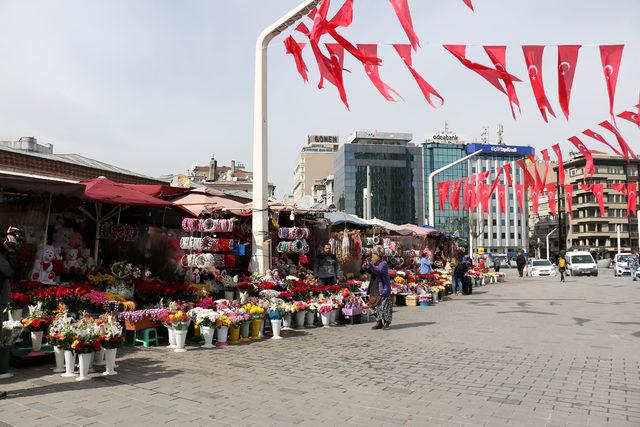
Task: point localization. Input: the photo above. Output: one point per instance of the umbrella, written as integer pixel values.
(338, 218)
(389, 226)
(198, 202)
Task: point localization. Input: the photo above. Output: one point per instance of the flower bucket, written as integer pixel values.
(310, 319)
(286, 321)
(15, 315)
(69, 364)
(300, 318)
(334, 316)
(228, 295)
(110, 361)
(276, 326)
(255, 330)
(59, 355)
(326, 319)
(222, 333)
(207, 334)
(36, 343)
(99, 358)
(393, 299)
(85, 361)
(181, 338)
(234, 334)
(245, 331)
(172, 337)
(5, 359)
(262, 328)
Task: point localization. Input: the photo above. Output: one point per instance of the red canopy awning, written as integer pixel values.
(106, 191)
(159, 190)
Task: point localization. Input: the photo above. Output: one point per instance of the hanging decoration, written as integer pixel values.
(502, 198)
(551, 196)
(497, 180)
(443, 193)
(600, 138)
(507, 172)
(294, 48)
(528, 178)
(373, 72)
(568, 195)
(630, 116)
(485, 196)
(627, 152)
(632, 201)
(620, 188)
(468, 3)
(598, 191)
(404, 50)
(556, 148)
(547, 163)
(567, 61)
(533, 59)
(520, 188)
(589, 169)
(401, 7)
(454, 199)
(498, 55)
(535, 199)
(611, 56)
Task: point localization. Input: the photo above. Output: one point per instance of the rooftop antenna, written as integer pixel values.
(500, 131)
(484, 136)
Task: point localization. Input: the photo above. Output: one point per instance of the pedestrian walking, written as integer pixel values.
(633, 264)
(562, 266)
(327, 268)
(379, 288)
(521, 262)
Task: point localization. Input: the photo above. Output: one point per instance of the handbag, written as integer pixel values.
(374, 301)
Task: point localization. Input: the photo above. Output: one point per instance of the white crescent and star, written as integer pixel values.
(608, 74)
(563, 71)
(535, 72)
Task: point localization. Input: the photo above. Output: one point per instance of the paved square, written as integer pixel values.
(527, 352)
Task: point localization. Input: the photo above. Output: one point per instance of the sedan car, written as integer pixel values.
(542, 268)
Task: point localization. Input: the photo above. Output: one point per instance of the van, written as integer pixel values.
(621, 264)
(581, 263)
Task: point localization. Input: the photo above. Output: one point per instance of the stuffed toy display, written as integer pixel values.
(43, 268)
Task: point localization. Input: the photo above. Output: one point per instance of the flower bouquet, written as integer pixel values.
(61, 336)
(110, 339)
(179, 322)
(87, 332)
(17, 303)
(257, 317)
(237, 317)
(9, 333)
(230, 284)
(325, 310)
(222, 330)
(206, 319)
(36, 322)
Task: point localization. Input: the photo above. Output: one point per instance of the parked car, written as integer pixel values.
(581, 263)
(621, 264)
(541, 268)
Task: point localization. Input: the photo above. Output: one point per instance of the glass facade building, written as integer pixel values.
(396, 176)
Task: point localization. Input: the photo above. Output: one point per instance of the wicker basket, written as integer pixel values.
(412, 300)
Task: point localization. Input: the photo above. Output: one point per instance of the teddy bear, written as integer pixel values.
(62, 236)
(43, 268)
(76, 240)
(89, 261)
(72, 263)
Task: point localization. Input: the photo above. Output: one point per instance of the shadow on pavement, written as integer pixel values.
(412, 325)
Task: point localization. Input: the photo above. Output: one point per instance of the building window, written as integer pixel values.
(495, 236)
(503, 236)
(511, 235)
(486, 236)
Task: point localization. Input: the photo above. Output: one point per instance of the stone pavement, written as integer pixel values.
(528, 352)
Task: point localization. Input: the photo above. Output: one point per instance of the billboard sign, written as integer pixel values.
(504, 150)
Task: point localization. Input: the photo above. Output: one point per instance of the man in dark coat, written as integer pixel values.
(521, 261)
(8, 262)
(327, 268)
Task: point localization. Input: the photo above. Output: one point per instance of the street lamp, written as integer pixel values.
(552, 231)
(260, 206)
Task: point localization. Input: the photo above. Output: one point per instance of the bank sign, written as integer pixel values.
(501, 150)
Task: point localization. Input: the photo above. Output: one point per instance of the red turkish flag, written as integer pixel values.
(567, 61)
(611, 56)
(497, 180)
(401, 7)
(294, 48)
(528, 178)
(547, 163)
(568, 195)
(630, 116)
(632, 201)
(468, 3)
(535, 199)
(598, 191)
(533, 58)
(620, 188)
(373, 72)
(483, 176)
(551, 196)
(556, 148)
(502, 197)
(485, 196)
(601, 139)
(539, 184)
(302, 27)
(626, 150)
(589, 168)
(520, 194)
(404, 50)
(330, 68)
(497, 54)
(443, 193)
(585, 187)
(507, 172)
(465, 193)
(472, 190)
(454, 199)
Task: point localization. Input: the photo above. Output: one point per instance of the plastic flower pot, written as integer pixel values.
(110, 361)
(424, 304)
(286, 322)
(222, 333)
(300, 317)
(59, 355)
(245, 331)
(5, 359)
(69, 364)
(276, 326)
(326, 319)
(234, 334)
(36, 343)
(434, 295)
(172, 337)
(255, 330)
(334, 316)
(15, 315)
(228, 295)
(99, 358)
(85, 361)
(181, 338)
(262, 328)
(207, 334)
(310, 319)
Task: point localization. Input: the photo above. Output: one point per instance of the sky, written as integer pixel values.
(158, 86)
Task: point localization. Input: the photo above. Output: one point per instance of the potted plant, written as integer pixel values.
(10, 331)
(110, 339)
(36, 322)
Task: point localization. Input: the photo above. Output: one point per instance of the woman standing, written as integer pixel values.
(379, 288)
(425, 263)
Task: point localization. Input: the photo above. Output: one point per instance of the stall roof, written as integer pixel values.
(339, 218)
(19, 181)
(159, 190)
(106, 191)
(389, 226)
(421, 231)
(202, 201)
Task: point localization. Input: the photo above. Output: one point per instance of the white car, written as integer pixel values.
(621, 264)
(542, 268)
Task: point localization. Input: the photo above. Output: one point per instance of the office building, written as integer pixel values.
(315, 162)
(396, 176)
(323, 191)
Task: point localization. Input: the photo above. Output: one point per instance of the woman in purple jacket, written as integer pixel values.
(379, 288)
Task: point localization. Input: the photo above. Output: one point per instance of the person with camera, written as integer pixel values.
(8, 262)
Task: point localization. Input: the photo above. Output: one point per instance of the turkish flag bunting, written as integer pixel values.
(551, 196)
(401, 7)
(556, 148)
(483, 176)
(336, 63)
(611, 56)
(598, 191)
(601, 139)
(443, 193)
(568, 195)
(454, 199)
(567, 61)
(632, 201)
(585, 187)
(535, 199)
(302, 27)
(520, 194)
(507, 172)
(533, 58)
(502, 197)
(468, 3)
(497, 180)
(472, 190)
(485, 196)
(630, 116)
(547, 162)
(330, 69)
(404, 50)
(373, 72)
(539, 184)
(497, 54)
(620, 188)
(589, 168)
(626, 150)
(465, 193)
(294, 48)
(528, 178)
